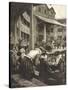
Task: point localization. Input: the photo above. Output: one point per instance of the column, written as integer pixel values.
(35, 30)
(15, 34)
(45, 32)
(31, 46)
(55, 31)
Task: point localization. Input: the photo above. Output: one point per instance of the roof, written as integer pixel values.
(62, 20)
(53, 9)
(52, 21)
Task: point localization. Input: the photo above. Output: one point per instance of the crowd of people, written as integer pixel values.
(38, 59)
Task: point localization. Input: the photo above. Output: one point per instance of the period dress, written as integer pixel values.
(28, 61)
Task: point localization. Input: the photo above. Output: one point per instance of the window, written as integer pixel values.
(52, 12)
(51, 29)
(45, 11)
(40, 38)
(60, 37)
(24, 36)
(59, 30)
(39, 9)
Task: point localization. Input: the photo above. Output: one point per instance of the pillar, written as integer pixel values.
(31, 46)
(45, 32)
(55, 31)
(15, 34)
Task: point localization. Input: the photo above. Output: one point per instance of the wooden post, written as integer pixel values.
(15, 34)
(45, 32)
(31, 46)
